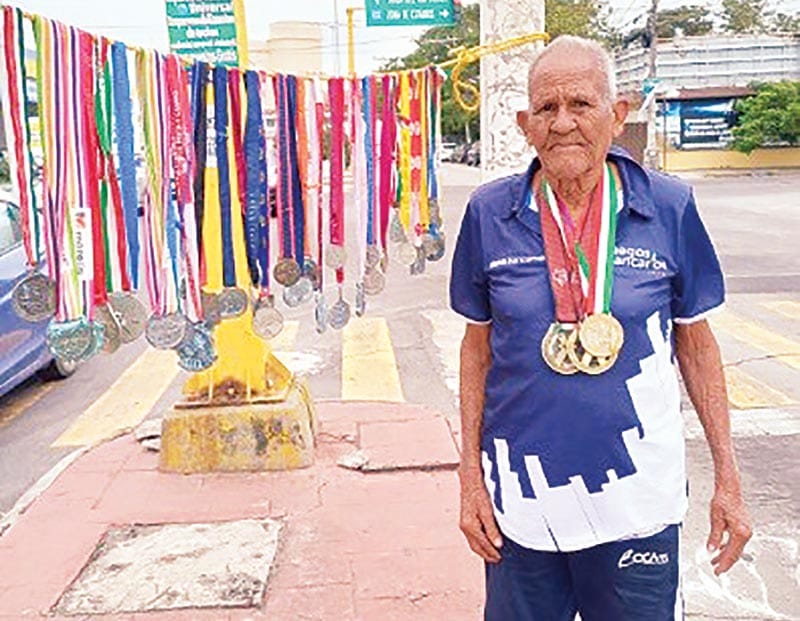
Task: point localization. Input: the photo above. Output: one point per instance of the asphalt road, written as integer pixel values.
(754, 221)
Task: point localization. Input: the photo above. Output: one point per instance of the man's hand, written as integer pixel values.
(477, 517)
(728, 516)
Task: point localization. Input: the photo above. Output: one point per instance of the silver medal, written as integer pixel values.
(335, 257)
(374, 281)
(267, 320)
(312, 271)
(418, 266)
(361, 300)
(105, 318)
(196, 349)
(232, 302)
(339, 314)
(211, 309)
(34, 297)
(166, 331)
(130, 314)
(406, 253)
(320, 313)
(70, 341)
(396, 233)
(374, 256)
(299, 293)
(434, 249)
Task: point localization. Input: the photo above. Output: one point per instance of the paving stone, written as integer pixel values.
(139, 568)
(421, 444)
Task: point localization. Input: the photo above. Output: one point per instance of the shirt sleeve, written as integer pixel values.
(698, 288)
(469, 289)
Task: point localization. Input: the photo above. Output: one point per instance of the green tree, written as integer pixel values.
(745, 16)
(692, 20)
(783, 22)
(433, 47)
(771, 116)
(583, 18)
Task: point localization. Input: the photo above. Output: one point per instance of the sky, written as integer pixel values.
(142, 23)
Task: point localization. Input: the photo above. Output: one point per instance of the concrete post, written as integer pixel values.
(504, 88)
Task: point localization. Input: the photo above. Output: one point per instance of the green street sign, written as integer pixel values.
(203, 29)
(410, 12)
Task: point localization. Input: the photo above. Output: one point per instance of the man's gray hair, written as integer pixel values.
(604, 60)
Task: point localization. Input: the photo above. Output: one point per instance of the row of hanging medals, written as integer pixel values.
(395, 172)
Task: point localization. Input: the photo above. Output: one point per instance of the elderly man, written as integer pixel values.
(581, 280)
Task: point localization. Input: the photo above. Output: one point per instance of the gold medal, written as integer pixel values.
(601, 335)
(555, 348)
(585, 361)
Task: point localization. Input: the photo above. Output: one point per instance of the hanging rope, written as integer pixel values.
(465, 56)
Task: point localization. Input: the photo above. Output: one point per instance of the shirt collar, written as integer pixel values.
(636, 188)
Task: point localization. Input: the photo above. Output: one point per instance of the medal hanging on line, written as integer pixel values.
(315, 175)
(304, 120)
(433, 242)
(166, 326)
(302, 289)
(339, 314)
(401, 227)
(34, 297)
(358, 138)
(373, 279)
(129, 313)
(232, 300)
(588, 264)
(287, 271)
(267, 320)
(388, 150)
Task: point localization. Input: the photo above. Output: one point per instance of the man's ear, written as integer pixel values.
(620, 108)
(522, 122)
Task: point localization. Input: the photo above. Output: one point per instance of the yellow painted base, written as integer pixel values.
(237, 438)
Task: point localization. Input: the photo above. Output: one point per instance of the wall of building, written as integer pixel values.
(714, 60)
(714, 159)
(292, 47)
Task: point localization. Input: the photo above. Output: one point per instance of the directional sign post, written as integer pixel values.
(204, 29)
(410, 12)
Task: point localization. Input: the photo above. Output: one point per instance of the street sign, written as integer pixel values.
(410, 12)
(203, 29)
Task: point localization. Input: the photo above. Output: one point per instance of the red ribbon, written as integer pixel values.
(336, 94)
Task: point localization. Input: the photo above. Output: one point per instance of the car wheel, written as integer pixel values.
(57, 370)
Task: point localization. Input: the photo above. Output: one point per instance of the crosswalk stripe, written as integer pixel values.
(782, 349)
(126, 402)
(369, 368)
(785, 308)
(746, 392)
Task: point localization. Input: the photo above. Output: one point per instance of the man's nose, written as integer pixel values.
(564, 121)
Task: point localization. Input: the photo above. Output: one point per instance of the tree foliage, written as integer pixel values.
(745, 16)
(583, 18)
(783, 22)
(691, 20)
(771, 116)
(434, 47)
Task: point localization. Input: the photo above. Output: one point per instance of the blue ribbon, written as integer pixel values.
(221, 130)
(366, 93)
(256, 212)
(284, 202)
(294, 167)
(199, 74)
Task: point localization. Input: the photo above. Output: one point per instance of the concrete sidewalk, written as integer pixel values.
(377, 544)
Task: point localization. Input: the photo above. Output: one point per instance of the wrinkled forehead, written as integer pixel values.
(577, 75)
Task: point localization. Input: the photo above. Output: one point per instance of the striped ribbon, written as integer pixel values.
(14, 99)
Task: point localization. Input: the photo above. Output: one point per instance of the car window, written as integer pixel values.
(10, 227)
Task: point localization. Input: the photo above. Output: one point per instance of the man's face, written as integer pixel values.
(571, 121)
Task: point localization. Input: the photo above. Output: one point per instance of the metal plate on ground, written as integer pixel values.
(141, 568)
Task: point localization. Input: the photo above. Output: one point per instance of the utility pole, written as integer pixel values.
(651, 152)
(351, 44)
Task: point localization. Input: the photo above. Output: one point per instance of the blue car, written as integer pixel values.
(23, 351)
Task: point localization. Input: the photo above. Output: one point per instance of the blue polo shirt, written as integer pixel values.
(574, 461)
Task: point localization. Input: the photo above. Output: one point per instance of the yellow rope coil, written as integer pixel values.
(464, 56)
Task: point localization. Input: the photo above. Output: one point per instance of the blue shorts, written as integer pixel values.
(630, 580)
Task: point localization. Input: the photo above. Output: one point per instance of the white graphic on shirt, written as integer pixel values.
(515, 261)
(638, 258)
(630, 557)
(569, 517)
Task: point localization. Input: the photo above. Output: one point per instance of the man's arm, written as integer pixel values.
(477, 517)
(701, 368)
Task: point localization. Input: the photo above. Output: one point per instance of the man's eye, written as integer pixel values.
(548, 107)
(582, 103)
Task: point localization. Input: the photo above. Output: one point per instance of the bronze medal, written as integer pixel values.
(601, 335)
(556, 346)
(374, 281)
(287, 272)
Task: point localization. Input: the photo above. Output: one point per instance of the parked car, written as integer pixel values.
(460, 153)
(446, 151)
(473, 155)
(23, 350)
